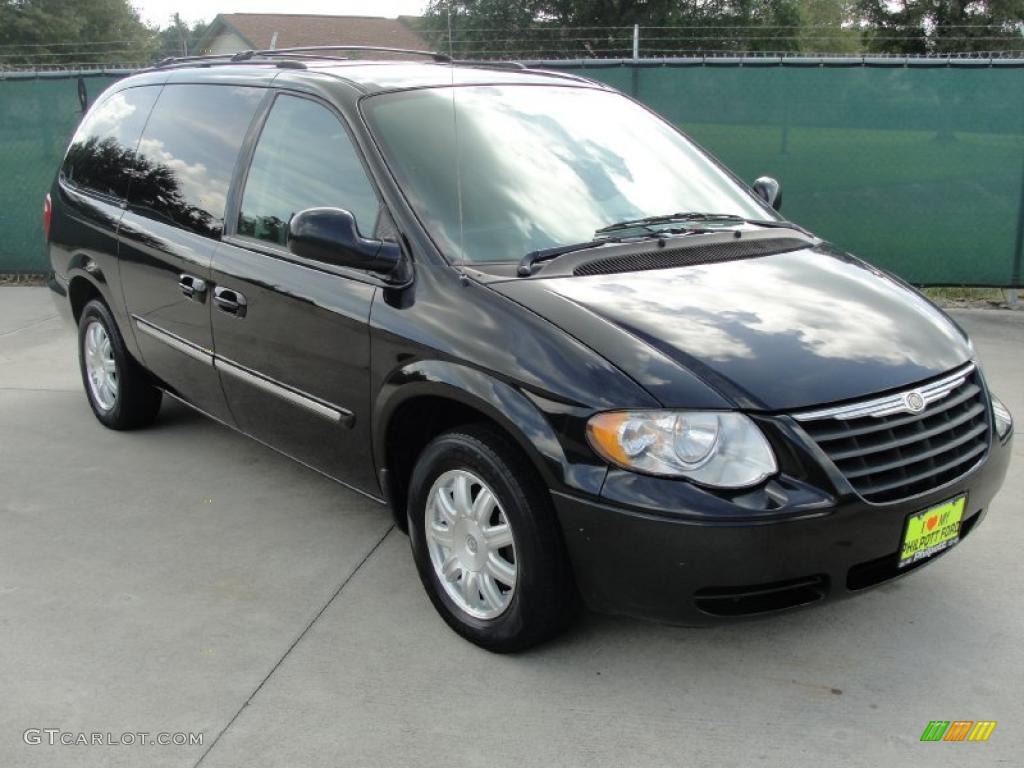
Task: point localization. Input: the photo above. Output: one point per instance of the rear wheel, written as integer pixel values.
(486, 542)
(118, 389)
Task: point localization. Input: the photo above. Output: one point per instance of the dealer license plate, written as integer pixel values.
(932, 531)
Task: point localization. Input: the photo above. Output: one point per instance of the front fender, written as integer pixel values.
(526, 417)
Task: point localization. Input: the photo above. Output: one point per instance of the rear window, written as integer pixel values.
(187, 154)
(102, 153)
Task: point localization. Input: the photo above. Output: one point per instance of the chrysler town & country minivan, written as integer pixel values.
(580, 361)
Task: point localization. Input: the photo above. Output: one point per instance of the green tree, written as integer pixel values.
(943, 26)
(178, 38)
(542, 28)
(828, 26)
(36, 33)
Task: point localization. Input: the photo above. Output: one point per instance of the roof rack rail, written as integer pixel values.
(441, 57)
(305, 52)
(292, 62)
(488, 64)
(226, 58)
(563, 75)
(168, 61)
(519, 66)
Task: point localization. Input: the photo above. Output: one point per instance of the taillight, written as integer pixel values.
(47, 215)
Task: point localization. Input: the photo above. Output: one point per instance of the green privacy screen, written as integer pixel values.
(916, 167)
(37, 117)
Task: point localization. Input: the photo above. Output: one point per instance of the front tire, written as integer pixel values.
(486, 542)
(118, 389)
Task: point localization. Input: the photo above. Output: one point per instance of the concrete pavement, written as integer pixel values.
(186, 579)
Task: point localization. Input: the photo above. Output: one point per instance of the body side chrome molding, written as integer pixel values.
(891, 404)
(184, 346)
(321, 408)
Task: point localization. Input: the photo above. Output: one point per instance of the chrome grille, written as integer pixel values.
(888, 452)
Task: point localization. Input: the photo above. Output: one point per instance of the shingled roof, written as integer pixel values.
(295, 30)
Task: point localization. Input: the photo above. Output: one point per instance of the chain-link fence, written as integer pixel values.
(915, 164)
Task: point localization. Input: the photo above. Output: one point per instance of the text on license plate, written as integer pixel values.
(932, 531)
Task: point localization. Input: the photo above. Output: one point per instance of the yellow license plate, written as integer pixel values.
(932, 531)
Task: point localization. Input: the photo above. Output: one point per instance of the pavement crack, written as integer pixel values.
(295, 642)
(33, 324)
(37, 389)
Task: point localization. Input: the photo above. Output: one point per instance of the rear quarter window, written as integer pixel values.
(187, 154)
(101, 156)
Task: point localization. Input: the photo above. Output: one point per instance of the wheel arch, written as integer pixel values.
(86, 281)
(81, 291)
(424, 399)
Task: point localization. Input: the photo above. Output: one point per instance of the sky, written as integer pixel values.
(159, 11)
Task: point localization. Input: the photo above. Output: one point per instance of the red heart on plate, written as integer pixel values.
(930, 523)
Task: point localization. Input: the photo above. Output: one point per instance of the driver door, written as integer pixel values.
(291, 334)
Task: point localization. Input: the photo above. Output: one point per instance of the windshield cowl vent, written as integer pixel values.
(691, 255)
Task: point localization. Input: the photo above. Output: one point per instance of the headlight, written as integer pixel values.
(1004, 421)
(719, 449)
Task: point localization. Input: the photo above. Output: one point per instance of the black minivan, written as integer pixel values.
(580, 361)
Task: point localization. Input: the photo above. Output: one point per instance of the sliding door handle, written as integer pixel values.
(229, 300)
(192, 286)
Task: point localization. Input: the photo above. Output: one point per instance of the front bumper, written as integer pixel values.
(693, 566)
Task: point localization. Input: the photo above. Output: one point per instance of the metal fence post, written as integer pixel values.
(1018, 245)
(634, 70)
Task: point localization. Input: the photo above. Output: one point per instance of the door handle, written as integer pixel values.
(229, 300)
(192, 286)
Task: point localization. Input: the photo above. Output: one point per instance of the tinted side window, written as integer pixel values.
(102, 153)
(188, 152)
(304, 159)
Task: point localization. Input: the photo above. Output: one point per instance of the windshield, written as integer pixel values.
(495, 172)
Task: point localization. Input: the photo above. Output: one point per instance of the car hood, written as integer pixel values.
(779, 332)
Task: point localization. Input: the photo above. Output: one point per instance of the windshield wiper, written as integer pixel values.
(528, 261)
(652, 230)
(525, 268)
(649, 222)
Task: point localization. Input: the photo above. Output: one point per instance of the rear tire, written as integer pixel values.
(118, 389)
(486, 541)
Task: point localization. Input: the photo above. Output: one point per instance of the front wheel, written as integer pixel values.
(486, 542)
(119, 391)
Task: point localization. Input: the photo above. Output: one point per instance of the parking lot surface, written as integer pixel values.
(185, 579)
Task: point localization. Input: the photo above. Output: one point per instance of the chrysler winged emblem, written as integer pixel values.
(914, 401)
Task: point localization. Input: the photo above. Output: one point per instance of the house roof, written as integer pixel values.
(294, 30)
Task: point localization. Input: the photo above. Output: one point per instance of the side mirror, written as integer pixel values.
(769, 190)
(330, 235)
